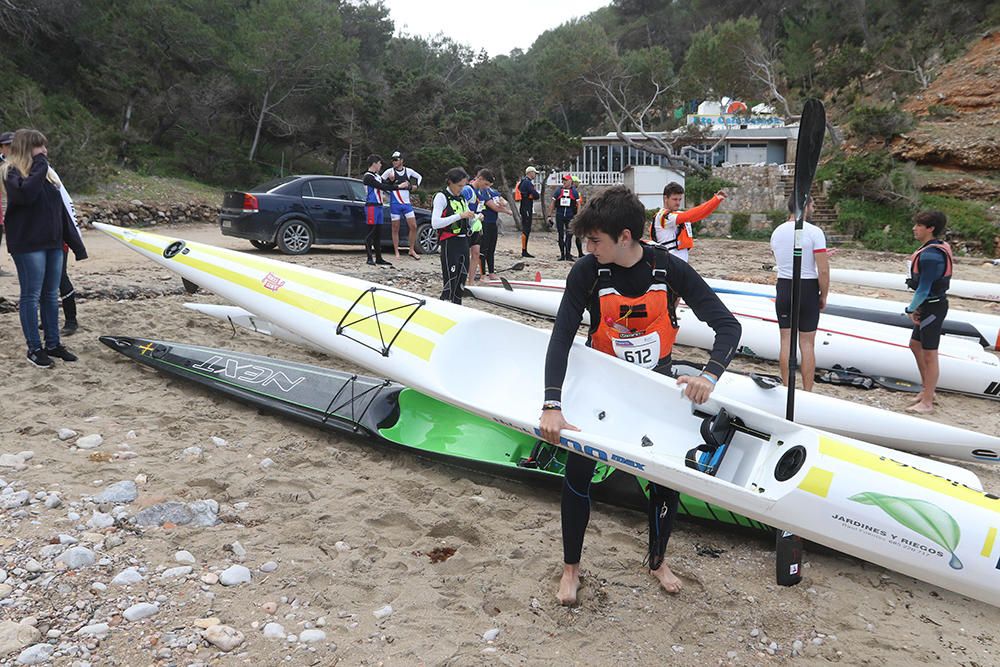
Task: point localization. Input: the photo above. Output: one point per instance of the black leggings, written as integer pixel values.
(373, 242)
(67, 294)
(526, 213)
(454, 267)
(662, 507)
(488, 248)
(576, 512)
(579, 247)
(564, 236)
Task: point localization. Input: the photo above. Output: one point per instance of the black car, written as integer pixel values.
(296, 212)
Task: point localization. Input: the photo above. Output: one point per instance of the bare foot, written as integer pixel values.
(414, 255)
(397, 255)
(569, 584)
(921, 408)
(492, 277)
(667, 579)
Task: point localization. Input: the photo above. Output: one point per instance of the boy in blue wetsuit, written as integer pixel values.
(929, 273)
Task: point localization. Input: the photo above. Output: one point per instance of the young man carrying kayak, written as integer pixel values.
(631, 291)
(929, 273)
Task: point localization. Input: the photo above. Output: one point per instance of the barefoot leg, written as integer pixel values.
(668, 580)
(569, 584)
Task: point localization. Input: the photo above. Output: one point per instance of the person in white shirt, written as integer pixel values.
(815, 287)
(399, 202)
(672, 228)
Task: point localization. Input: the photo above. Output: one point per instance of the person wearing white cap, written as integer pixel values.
(399, 202)
(526, 194)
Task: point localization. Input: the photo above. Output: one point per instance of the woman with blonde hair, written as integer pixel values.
(37, 225)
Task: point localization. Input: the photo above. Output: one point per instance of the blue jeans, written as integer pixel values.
(39, 273)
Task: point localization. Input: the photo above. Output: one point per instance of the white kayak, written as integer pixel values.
(862, 499)
(874, 349)
(855, 420)
(978, 326)
(968, 289)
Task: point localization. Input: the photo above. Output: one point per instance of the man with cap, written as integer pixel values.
(526, 194)
(6, 139)
(399, 202)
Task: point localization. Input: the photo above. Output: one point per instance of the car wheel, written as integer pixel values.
(427, 238)
(295, 237)
(263, 245)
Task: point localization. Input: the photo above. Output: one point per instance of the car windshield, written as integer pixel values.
(274, 184)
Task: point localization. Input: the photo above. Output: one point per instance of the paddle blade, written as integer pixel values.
(812, 128)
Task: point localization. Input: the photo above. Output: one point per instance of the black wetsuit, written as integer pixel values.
(581, 294)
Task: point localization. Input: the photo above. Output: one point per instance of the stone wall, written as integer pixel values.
(757, 189)
(137, 214)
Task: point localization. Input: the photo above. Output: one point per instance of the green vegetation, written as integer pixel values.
(231, 93)
(698, 188)
(879, 122)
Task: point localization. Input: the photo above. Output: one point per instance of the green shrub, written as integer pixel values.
(870, 176)
(967, 220)
(877, 225)
(740, 224)
(941, 112)
(699, 188)
(879, 122)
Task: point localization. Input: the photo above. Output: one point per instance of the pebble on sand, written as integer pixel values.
(274, 631)
(139, 611)
(312, 635)
(92, 441)
(36, 655)
(127, 577)
(185, 557)
(65, 434)
(384, 612)
(269, 566)
(78, 557)
(223, 637)
(94, 630)
(491, 634)
(234, 575)
(119, 492)
(180, 571)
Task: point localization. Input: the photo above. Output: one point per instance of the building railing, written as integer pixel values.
(589, 177)
(787, 169)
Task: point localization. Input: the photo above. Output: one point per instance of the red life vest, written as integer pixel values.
(940, 285)
(640, 330)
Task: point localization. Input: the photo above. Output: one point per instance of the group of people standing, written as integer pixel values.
(40, 224)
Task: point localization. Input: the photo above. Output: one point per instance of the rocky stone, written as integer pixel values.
(15, 636)
(127, 577)
(269, 566)
(185, 557)
(5, 590)
(223, 637)
(92, 441)
(491, 634)
(65, 434)
(78, 557)
(100, 520)
(274, 631)
(139, 611)
(36, 654)
(119, 492)
(197, 513)
(98, 630)
(312, 635)
(17, 499)
(235, 575)
(206, 623)
(383, 613)
(15, 461)
(180, 571)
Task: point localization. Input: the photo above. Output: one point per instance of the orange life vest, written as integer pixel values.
(642, 329)
(683, 239)
(517, 191)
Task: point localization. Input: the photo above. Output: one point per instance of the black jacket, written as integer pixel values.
(36, 218)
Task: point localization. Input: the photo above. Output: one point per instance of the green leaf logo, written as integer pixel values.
(921, 517)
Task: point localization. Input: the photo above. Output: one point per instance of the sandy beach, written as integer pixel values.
(349, 526)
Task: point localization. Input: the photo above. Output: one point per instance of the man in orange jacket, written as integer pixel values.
(672, 228)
